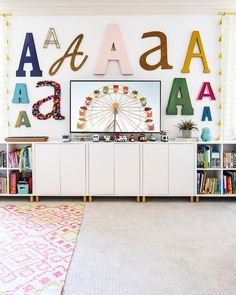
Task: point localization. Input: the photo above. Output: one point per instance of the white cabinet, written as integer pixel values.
(47, 169)
(101, 168)
(127, 169)
(73, 172)
(155, 170)
(181, 169)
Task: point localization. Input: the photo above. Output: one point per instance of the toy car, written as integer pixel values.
(120, 138)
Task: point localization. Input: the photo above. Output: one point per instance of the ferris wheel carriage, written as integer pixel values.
(88, 101)
(143, 101)
(97, 94)
(105, 89)
(134, 94)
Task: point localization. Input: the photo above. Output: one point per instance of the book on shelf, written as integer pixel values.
(3, 185)
(13, 179)
(3, 159)
(229, 159)
(229, 182)
(207, 184)
(207, 157)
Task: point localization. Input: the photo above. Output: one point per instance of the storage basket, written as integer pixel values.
(23, 187)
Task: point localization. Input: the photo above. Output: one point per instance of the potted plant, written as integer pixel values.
(186, 127)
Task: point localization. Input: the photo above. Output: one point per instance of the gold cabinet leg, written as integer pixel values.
(31, 198)
(37, 198)
(144, 199)
(197, 199)
(85, 199)
(90, 199)
(138, 199)
(192, 199)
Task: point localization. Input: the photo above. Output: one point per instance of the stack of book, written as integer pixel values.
(3, 185)
(207, 158)
(229, 184)
(3, 159)
(207, 184)
(230, 160)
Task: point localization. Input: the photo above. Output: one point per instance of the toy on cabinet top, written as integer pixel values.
(66, 138)
(164, 136)
(151, 138)
(107, 138)
(131, 138)
(95, 137)
(120, 137)
(206, 134)
(142, 137)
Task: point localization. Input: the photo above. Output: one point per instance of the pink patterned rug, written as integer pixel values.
(36, 246)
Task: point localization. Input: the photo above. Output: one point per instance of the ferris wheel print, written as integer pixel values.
(115, 108)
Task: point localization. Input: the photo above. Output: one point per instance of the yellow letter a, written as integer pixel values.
(195, 38)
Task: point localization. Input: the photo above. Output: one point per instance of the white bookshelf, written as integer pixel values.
(218, 172)
(5, 171)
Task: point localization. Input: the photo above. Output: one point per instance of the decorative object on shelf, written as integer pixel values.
(107, 138)
(206, 134)
(96, 137)
(142, 137)
(164, 136)
(206, 114)
(179, 86)
(131, 137)
(56, 110)
(82, 138)
(20, 94)
(151, 137)
(186, 126)
(26, 139)
(51, 38)
(22, 119)
(66, 138)
(120, 137)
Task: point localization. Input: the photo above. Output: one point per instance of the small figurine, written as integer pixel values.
(142, 137)
(206, 134)
(164, 136)
(151, 138)
(107, 138)
(95, 137)
(131, 138)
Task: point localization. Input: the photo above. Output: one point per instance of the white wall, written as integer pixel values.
(178, 30)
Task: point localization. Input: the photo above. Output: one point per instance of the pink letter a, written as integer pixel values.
(113, 49)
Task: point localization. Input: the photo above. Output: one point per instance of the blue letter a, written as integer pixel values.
(32, 58)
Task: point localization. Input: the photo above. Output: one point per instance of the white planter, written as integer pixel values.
(186, 133)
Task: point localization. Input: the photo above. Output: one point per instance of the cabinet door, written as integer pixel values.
(127, 169)
(73, 169)
(181, 169)
(101, 169)
(47, 169)
(155, 169)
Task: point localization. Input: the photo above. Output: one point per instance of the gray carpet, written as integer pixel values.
(157, 248)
